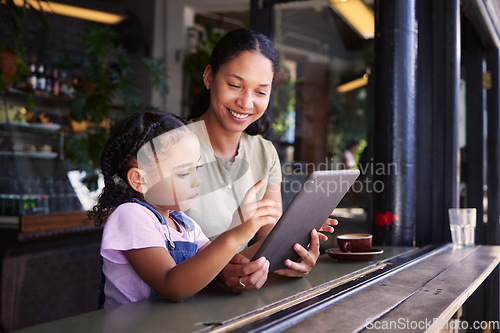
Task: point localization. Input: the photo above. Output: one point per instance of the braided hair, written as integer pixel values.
(228, 48)
(119, 155)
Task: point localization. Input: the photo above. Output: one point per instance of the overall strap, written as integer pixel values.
(180, 218)
(151, 208)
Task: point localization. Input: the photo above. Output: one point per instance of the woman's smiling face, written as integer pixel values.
(240, 90)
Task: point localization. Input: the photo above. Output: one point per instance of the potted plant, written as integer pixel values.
(12, 64)
(108, 85)
(204, 39)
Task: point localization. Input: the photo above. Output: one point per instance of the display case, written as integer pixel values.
(33, 165)
(44, 231)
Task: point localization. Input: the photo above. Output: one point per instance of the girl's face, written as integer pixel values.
(240, 90)
(173, 182)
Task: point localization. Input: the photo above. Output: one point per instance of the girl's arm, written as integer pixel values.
(157, 268)
(174, 282)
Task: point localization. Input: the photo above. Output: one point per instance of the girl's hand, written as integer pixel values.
(255, 214)
(307, 260)
(253, 274)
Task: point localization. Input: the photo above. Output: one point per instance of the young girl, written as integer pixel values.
(148, 245)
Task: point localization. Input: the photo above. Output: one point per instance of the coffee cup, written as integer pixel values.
(355, 242)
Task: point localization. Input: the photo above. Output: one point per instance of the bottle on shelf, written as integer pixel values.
(59, 195)
(15, 197)
(63, 82)
(27, 198)
(41, 198)
(32, 78)
(48, 186)
(56, 85)
(41, 83)
(49, 81)
(73, 83)
(5, 203)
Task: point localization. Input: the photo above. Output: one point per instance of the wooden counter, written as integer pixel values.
(443, 277)
(422, 297)
(47, 221)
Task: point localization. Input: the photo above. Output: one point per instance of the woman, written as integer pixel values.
(238, 81)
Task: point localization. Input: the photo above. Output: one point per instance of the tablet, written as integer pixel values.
(318, 196)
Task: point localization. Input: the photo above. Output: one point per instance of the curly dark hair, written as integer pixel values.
(120, 154)
(228, 48)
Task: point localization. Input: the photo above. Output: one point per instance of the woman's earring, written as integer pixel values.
(143, 188)
(206, 84)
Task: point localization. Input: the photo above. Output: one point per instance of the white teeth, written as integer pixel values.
(238, 115)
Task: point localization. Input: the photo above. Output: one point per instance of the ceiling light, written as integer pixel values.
(359, 16)
(85, 10)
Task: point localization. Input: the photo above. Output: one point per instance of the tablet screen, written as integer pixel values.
(317, 198)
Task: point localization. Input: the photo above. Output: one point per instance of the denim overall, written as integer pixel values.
(179, 250)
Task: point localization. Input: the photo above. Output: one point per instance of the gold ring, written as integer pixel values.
(242, 285)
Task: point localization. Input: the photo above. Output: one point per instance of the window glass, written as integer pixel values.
(315, 117)
(318, 122)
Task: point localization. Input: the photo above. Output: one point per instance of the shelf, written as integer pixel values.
(22, 95)
(49, 155)
(43, 127)
(33, 165)
(9, 222)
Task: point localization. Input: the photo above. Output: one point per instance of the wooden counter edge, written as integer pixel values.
(56, 220)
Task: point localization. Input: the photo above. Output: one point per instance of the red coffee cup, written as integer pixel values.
(355, 242)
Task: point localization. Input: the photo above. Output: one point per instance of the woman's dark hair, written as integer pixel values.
(228, 48)
(120, 153)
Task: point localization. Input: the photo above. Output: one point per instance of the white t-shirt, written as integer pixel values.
(349, 160)
(132, 226)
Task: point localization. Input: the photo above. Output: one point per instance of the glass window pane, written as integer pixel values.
(318, 122)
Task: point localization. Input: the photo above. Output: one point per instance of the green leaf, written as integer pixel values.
(159, 74)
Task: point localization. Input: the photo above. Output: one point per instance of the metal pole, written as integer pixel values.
(395, 122)
(493, 148)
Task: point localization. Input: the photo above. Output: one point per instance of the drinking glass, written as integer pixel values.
(462, 226)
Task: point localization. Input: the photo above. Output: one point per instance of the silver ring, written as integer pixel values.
(242, 285)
